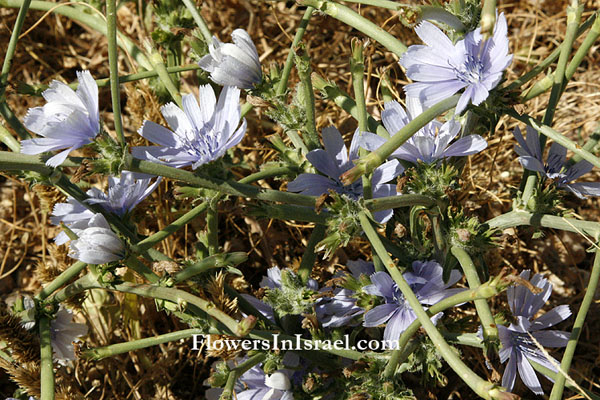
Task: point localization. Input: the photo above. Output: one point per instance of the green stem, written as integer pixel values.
(588, 298)
(289, 62)
(133, 263)
(212, 229)
(163, 74)
(304, 71)
(112, 350)
(556, 136)
(214, 261)
(345, 102)
(355, 20)
(287, 212)
(591, 143)
(519, 217)
(113, 62)
(488, 18)
(10, 52)
(490, 330)
(366, 165)
(544, 64)
(482, 292)
(481, 387)
(46, 366)
(62, 279)
(552, 375)
(9, 140)
(235, 373)
(199, 21)
(310, 255)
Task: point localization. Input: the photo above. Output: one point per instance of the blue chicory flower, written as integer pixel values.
(555, 168)
(233, 64)
(69, 120)
(341, 309)
(517, 344)
(335, 160)
(441, 68)
(431, 143)
(97, 243)
(427, 283)
(202, 133)
(124, 194)
(254, 384)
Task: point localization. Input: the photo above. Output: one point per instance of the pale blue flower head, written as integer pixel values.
(69, 120)
(124, 194)
(518, 347)
(426, 282)
(441, 68)
(335, 160)
(201, 133)
(431, 143)
(556, 166)
(233, 64)
(97, 243)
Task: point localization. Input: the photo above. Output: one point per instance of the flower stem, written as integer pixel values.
(133, 263)
(490, 331)
(304, 72)
(355, 20)
(310, 255)
(482, 292)
(488, 18)
(366, 165)
(214, 261)
(199, 21)
(7, 113)
(289, 62)
(9, 140)
(588, 298)
(238, 371)
(481, 387)
(62, 279)
(161, 70)
(345, 102)
(112, 350)
(520, 217)
(113, 62)
(46, 365)
(212, 228)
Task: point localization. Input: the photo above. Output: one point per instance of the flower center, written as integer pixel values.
(470, 71)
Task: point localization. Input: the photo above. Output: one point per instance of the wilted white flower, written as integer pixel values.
(97, 244)
(68, 121)
(233, 64)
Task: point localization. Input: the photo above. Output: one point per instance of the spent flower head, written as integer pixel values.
(335, 160)
(426, 282)
(522, 338)
(556, 166)
(233, 64)
(202, 133)
(431, 143)
(441, 68)
(69, 120)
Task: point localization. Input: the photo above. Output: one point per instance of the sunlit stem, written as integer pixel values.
(46, 366)
(163, 74)
(62, 279)
(9, 140)
(304, 71)
(113, 62)
(488, 18)
(289, 62)
(235, 373)
(200, 22)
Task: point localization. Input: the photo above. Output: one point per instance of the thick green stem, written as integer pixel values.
(9, 140)
(214, 261)
(349, 17)
(559, 383)
(46, 366)
(482, 292)
(488, 18)
(310, 255)
(234, 374)
(10, 52)
(490, 330)
(112, 350)
(304, 72)
(519, 217)
(345, 102)
(62, 279)
(163, 74)
(199, 21)
(141, 268)
(552, 375)
(113, 62)
(366, 165)
(481, 387)
(289, 62)
(212, 229)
